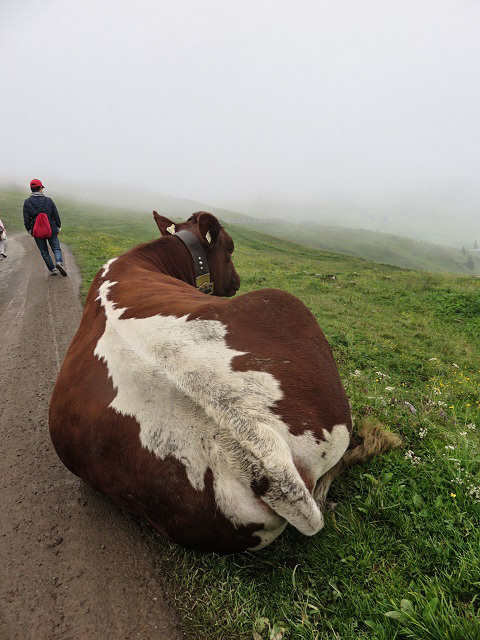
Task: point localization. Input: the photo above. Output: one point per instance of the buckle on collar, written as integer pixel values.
(204, 285)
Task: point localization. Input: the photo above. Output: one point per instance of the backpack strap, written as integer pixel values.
(33, 211)
(42, 208)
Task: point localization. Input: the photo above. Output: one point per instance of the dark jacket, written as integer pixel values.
(36, 204)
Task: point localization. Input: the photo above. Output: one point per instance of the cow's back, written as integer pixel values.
(281, 336)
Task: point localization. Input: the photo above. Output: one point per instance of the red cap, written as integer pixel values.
(35, 183)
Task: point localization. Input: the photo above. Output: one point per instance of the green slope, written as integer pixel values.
(371, 245)
(114, 200)
(379, 247)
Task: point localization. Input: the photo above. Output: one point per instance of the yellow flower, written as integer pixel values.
(453, 495)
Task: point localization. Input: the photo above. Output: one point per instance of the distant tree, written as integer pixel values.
(475, 245)
(463, 250)
(470, 264)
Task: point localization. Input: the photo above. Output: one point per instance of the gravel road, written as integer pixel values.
(72, 565)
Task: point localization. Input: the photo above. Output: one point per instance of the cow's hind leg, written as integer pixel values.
(372, 440)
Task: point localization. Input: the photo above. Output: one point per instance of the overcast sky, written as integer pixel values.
(236, 103)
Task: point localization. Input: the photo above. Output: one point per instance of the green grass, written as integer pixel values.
(379, 247)
(399, 556)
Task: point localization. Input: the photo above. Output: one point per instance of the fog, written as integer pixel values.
(341, 112)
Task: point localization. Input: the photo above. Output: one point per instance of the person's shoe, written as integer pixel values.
(4, 255)
(54, 272)
(61, 268)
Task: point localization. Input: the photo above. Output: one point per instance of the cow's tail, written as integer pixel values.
(264, 462)
(374, 440)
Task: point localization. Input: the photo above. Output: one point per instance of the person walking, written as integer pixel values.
(38, 203)
(3, 241)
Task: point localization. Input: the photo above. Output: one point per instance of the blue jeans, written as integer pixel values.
(55, 245)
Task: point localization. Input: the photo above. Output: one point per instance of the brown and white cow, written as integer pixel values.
(212, 418)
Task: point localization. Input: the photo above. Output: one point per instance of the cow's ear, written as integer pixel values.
(209, 227)
(165, 225)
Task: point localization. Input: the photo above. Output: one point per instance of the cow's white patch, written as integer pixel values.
(106, 267)
(175, 378)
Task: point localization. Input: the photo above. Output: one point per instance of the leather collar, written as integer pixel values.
(202, 275)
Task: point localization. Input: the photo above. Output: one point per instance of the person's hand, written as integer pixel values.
(59, 229)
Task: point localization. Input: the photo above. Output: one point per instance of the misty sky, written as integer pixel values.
(236, 103)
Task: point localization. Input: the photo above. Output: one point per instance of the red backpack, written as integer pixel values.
(42, 228)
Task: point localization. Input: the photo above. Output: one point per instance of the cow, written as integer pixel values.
(217, 419)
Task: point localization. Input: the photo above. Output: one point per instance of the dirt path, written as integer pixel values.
(72, 565)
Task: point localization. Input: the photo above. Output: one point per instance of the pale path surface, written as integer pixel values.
(72, 565)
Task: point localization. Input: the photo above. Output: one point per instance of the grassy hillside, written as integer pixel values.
(444, 217)
(113, 199)
(371, 245)
(399, 555)
(379, 247)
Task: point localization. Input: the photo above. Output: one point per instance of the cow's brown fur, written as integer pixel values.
(275, 332)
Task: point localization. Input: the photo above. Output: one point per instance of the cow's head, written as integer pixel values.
(216, 243)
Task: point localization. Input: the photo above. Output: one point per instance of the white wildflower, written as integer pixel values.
(437, 391)
(432, 359)
(389, 388)
(423, 432)
(450, 447)
(474, 492)
(356, 373)
(463, 433)
(471, 426)
(383, 375)
(455, 365)
(409, 455)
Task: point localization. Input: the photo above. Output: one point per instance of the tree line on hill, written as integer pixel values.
(470, 263)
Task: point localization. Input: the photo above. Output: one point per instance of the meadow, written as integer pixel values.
(399, 554)
(392, 249)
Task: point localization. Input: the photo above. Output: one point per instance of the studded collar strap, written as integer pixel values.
(202, 275)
